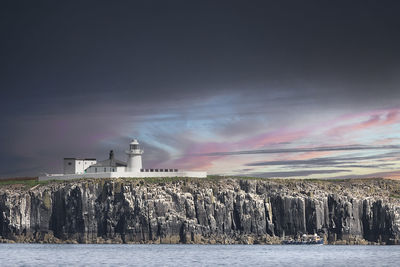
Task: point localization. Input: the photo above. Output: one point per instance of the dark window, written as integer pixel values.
(141, 170)
(175, 170)
(133, 147)
(105, 169)
(156, 170)
(171, 170)
(151, 170)
(166, 170)
(95, 169)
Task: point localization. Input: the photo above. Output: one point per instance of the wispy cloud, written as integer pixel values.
(377, 119)
(339, 161)
(300, 173)
(299, 150)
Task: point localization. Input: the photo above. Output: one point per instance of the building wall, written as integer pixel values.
(69, 166)
(104, 169)
(121, 169)
(134, 163)
(88, 162)
(77, 166)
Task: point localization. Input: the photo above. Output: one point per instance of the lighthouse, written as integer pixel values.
(112, 168)
(134, 157)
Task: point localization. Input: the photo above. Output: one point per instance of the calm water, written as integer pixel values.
(197, 255)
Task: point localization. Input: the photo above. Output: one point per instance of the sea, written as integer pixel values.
(197, 255)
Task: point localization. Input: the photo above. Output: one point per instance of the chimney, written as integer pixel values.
(111, 155)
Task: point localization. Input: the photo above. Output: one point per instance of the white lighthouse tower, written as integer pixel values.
(134, 157)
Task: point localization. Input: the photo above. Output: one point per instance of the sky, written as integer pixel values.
(306, 89)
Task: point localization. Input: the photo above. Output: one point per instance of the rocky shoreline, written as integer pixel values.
(200, 211)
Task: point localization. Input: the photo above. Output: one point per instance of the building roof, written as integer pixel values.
(134, 142)
(80, 158)
(110, 162)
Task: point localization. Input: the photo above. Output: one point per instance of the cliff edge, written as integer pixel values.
(212, 210)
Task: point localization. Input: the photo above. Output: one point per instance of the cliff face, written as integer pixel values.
(201, 211)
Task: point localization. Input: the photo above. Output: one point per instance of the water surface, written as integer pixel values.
(197, 255)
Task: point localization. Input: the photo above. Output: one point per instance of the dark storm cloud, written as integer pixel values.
(59, 54)
(301, 150)
(17, 166)
(74, 72)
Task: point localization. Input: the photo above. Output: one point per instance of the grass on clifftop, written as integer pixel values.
(218, 178)
(31, 182)
(20, 182)
(26, 184)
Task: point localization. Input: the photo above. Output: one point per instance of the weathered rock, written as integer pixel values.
(225, 211)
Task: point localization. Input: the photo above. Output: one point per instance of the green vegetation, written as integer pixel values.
(24, 183)
(158, 180)
(369, 184)
(209, 178)
(29, 183)
(395, 195)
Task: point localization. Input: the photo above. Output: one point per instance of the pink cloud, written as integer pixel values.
(191, 157)
(312, 155)
(387, 141)
(388, 175)
(271, 138)
(392, 117)
(376, 119)
(194, 162)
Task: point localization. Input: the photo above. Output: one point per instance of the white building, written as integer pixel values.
(77, 166)
(113, 168)
(134, 157)
(109, 165)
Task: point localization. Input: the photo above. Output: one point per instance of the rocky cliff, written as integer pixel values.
(201, 211)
